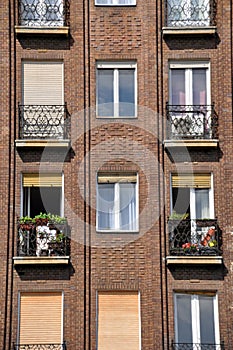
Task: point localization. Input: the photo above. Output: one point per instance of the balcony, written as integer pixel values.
(43, 17)
(190, 17)
(196, 346)
(43, 125)
(39, 346)
(194, 241)
(42, 240)
(191, 125)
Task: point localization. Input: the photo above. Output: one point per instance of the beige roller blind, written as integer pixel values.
(118, 321)
(40, 318)
(43, 83)
(191, 180)
(42, 180)
(104, 178)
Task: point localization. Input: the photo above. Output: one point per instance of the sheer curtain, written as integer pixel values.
(202, 203)
(128, 206)
(106, 218)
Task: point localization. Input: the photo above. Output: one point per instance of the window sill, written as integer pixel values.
(208, 30)
(118, 231)
(42, 260)
(42, 143)
(190, 143)
(193, 260)
(41, 30)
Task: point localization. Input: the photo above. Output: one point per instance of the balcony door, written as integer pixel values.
(39, 13)
(43, 99)
(186, 13)
(196, 321)
(189, 99)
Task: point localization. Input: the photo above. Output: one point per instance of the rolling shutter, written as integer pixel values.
(41, 318)
(43, 83)
(118, 321)
(42, 180)
(191, 180)
(102, 178)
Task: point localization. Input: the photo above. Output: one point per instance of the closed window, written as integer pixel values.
(196, 320)
(116, 90)
(118, 321)
(117, 203)
(40, 319)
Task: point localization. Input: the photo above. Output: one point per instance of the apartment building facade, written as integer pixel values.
(116, 186)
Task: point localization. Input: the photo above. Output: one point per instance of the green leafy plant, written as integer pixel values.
(178, 216)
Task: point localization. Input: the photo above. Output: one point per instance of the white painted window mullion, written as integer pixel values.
(116, 92)
(195, 319)
(117, 205)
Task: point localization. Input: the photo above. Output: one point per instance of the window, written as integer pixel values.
(118, 321)
(41, 13)
(42, 193)
(115, 2)
(193, 194)
(117, 204)
(189, 99)
(42, 110)
(192, 13)
(40, 318)
(116, 90)
(196, 319)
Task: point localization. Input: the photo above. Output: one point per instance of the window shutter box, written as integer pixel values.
(42, 180)
(117, 178)
(118, 321)
(191, 180)
(41, 318)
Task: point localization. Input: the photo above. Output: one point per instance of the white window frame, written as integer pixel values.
(188, 66)
(116, 66)
(115, 3)
(195, 316)
(117, 208)
(28, 199)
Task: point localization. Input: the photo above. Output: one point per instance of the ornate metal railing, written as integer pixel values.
(194, 237)
(43, 122)
(40, 346)
(190, 13)
(48, 239)
(197, 346)
(191, 122)
(44, 13)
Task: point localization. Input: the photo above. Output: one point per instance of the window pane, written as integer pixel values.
(126, 92)
(199, 86)
(181, 200)
(105, 92)
(202, 203)
(106, 219)
(178, 87)
(42, 200)
(184, 320)
(128, 206)
(207, 319)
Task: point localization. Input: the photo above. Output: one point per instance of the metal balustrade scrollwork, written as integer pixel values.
(47, 239)
(43, 122)
(44, 13)
(190, 13)
(191, 122)
(40, 346)
(197, 346)
(194, 237)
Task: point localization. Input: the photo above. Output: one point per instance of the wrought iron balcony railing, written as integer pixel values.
(43, 122)
(197, 346)
(43, 239)
(190, 13)
(44, 13)
(40, 346)
(191, 122)
(194, 237)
